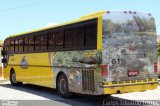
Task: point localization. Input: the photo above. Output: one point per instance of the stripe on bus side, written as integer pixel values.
(50, 66)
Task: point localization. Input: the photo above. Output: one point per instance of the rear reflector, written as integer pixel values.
(104, 71)
(155, 68)
(104, 66)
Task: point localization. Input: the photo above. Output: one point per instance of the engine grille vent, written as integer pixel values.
(88, 80)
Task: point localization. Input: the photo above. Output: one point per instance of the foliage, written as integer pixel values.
(137, 24)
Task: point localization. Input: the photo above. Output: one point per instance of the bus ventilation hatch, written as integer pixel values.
(88, 80)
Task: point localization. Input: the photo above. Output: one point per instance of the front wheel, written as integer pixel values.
(63, 88)
(13, 79)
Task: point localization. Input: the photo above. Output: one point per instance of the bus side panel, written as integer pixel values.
(6, 72)
(31, 68)
(9, 67)
(80, 67)
(131, 88)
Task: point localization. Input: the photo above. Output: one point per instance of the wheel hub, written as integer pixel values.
(14, 78)
(63, 86)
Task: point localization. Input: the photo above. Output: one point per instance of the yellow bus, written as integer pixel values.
(103, 53)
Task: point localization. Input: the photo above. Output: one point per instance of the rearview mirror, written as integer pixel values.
(4, 61)
(3, 52)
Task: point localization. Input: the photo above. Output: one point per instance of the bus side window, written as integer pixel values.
(68, 38)
(7, 45)
(12, 45)
(37, 42)
(78, 37)
(16, 45)
(91, 35)
(31, 43)
(20, 44)
(25, 44)
(51, 41)
(59, 36)
(44, 42)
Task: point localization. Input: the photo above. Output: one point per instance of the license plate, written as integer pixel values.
(133, 73)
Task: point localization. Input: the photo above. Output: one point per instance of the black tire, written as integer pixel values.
(63, 88)
(13, 79)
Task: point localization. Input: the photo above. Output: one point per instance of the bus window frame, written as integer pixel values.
(52, 30)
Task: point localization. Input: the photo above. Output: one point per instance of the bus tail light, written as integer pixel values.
(104, 71)
(155, 68)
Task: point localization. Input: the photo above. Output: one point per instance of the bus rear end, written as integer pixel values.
(129, 60)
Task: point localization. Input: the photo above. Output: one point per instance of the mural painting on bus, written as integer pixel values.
(75, 59)
(129, 46)
(24, 63)
(72, 62)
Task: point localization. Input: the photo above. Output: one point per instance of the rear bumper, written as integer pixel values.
(130, 88)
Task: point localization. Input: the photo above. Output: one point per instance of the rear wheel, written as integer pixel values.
(13, 79)
(63, 88)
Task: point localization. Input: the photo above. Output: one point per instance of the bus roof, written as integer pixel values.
(86, 17)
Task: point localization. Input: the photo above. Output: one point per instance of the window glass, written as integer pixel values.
(59, 35)
(44, 42)
(7, 44)
(25, 44)
(31, 43)
(37, 42)
(12, 45)
(68, 38)
(78, 37)
(91, 35)
(21, 45)
(16, 45)
(51, 42)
